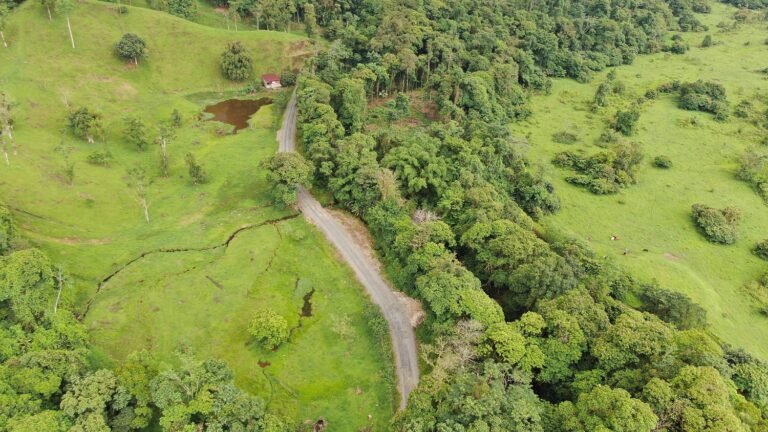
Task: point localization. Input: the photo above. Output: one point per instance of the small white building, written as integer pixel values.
(271, 81)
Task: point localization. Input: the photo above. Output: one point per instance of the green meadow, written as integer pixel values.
(213, 253)
(652, 219)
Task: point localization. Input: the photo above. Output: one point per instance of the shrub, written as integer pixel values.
(761, 249)
(131, 47)
(678, 47)
(565, 137)
(236, 64)
(196, 171)
(753, 169)
(136, 133)
(707, 42)
(7, 230)
(100, 158)
(673, 307)
(626, 121)
(269, 328)
(85, 124)
(704, 96)
(176, 119)
(182, 8)
(288, 78)
(603, 172)
(662, 161)
(717, 225)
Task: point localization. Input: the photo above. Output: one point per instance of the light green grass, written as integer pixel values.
(655, 213)
(93, 227)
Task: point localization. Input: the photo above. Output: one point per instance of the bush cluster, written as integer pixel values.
(662, 161)
(705, 96)
(603, 172)
(717, 225)
(236, 64)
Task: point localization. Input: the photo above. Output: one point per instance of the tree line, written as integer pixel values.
(48, 381)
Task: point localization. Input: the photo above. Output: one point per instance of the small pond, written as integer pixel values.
(236, 111)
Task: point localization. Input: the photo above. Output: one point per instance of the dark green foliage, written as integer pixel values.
(704, 96)
(176, 120)
(626, 121)
(594, 363)
(135, 133)
(718, 226)
(350, 104)
(355, 182)
(85, 124)
(707, 42)
(102, 158)
(743, 109)
(236, 64)
(182, 8)
(753, 169)
(512, 258)
(601, 96)
(48, 385)
(761, 249)
(131, 47)
(604, 172)
(7, 230)
(604, 409)
(673, 307)
(288, 78)
(285, 172)
(564, 137)
(662, 161)
(678, 47)
(197, 173)
(399, 107)
(507, 402)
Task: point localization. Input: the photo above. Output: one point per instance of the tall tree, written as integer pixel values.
(138, 181)
(286, 171)
(164, 136)
(50, 6)
(67, 7)
(310, 20)
(3, 21)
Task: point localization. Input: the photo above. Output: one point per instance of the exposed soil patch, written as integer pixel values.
(671, 256)
(263, 364)
(416, 313)
(236, 112)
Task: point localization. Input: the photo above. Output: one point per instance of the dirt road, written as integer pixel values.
(394, 311)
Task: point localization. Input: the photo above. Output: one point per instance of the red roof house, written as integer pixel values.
(271, 81)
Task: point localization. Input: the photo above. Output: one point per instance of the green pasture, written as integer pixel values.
(201, 301)
(652, 218)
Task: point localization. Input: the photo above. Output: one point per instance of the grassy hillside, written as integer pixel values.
(195, 301)
(654, 215)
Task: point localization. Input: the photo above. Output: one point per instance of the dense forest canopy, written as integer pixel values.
(453, 206)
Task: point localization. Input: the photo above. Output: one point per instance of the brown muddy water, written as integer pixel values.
(236, 111)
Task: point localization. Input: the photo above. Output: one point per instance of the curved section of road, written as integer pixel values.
(400, 329)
